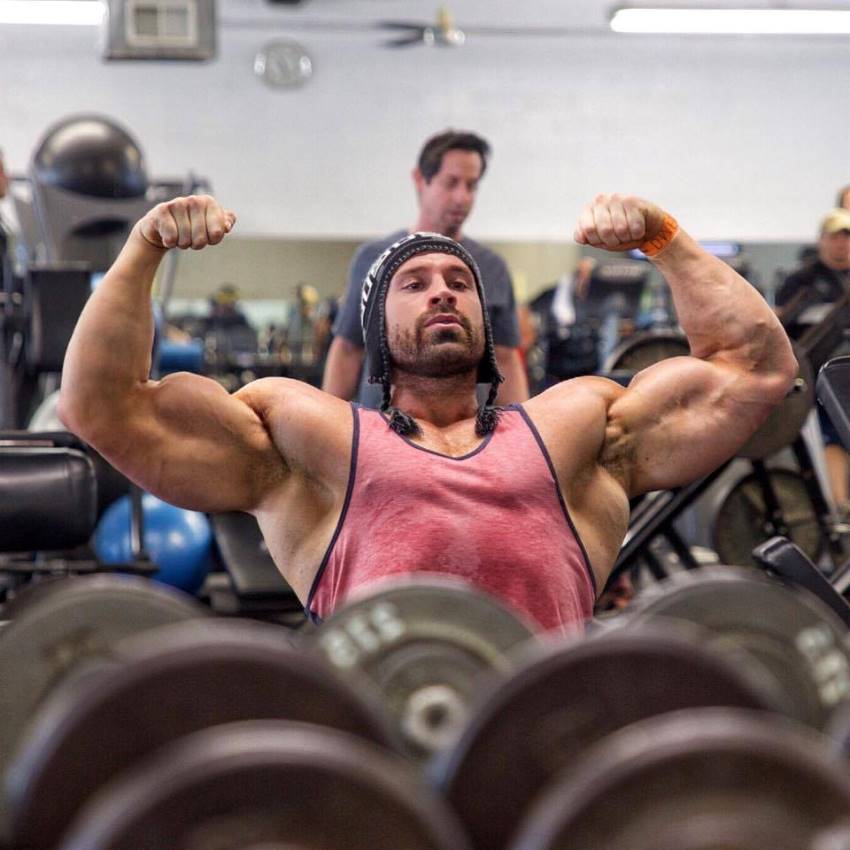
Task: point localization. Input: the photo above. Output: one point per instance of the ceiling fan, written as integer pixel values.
(441, 33)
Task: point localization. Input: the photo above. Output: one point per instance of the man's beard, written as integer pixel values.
(410, 352)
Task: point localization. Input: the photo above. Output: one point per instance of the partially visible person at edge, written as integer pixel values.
(529, 502)
(823, 279)
(446, 179)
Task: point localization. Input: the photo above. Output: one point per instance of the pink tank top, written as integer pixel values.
(494, 518)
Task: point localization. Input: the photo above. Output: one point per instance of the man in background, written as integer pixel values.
(446, 180)
(823, 280)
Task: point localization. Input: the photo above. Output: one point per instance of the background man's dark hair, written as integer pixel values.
(431, 156)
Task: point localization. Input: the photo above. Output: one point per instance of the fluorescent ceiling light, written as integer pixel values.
(67, 12)
(733, 21)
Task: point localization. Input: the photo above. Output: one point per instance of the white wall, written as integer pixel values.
(740, 137)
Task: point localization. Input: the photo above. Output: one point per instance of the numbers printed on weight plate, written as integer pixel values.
(828, 662)
(362, 634)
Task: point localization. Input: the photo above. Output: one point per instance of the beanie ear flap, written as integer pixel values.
(403, 424)
(488, 414)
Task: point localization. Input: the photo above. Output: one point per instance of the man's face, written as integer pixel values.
(834, 249)
(446, 199)
(4, 180)
(435, 325)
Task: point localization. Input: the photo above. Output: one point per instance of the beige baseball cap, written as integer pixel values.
(835, 221)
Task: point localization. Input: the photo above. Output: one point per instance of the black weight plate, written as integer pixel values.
(742, 521)
(708, 779)
(799, 640)
(645, 349)
(286, 786)
(564, 699)
(428, 646)
(173, 681)
(34, 591)
(64, 623)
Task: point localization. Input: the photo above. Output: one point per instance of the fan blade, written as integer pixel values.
(405, 40)
(400, 25)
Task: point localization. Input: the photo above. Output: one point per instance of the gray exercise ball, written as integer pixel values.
(90, 155)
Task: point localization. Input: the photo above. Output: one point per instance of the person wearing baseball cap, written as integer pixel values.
(823, 279)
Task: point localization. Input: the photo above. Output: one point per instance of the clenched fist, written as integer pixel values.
(619, 223)
(192, 222)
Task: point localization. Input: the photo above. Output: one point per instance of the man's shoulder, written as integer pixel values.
(807, 272)
(370, 251)
(482, 254)
(271, 397)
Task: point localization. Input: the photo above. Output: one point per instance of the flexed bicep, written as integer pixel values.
(188, 441)
(680, 419)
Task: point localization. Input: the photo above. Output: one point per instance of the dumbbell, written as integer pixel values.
(265, 784)
(428, 646)
(797, 641)
(58, 625)
(563, 699)
(701, 779)
(166, 684)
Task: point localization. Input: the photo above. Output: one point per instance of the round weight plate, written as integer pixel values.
(172, 681)
(268, 785)
(798, 640)
(781, 428)
(63, 623)
(33, 592)
(428, 646)
(563, 700)
(645, 349)
(743, 522)
(709, 779)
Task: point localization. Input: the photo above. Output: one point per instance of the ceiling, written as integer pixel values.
(577, 15)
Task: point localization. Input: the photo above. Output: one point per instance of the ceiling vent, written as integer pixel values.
(160, 29)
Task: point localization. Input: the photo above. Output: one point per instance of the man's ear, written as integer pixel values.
(419, 180)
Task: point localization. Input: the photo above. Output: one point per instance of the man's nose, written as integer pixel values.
(442, 294)
(462, 194)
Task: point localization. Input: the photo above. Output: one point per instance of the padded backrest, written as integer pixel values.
(48, 498)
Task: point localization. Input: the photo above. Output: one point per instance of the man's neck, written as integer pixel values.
(439, 401)
(423, 225)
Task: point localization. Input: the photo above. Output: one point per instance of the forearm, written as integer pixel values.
(342, 368)
(514, 388)
(109, 356)
(723, 316)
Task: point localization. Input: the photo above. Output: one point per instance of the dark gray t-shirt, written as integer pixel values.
(498, 289)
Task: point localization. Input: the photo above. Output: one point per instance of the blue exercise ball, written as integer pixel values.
(177, 540)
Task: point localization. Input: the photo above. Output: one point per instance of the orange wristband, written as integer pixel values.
(669, 228)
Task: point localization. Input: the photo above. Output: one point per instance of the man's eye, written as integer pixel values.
(413, 284)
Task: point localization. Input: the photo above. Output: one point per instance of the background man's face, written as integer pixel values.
(435, 325)
(447, 199)
(834, 249)
(4, 179)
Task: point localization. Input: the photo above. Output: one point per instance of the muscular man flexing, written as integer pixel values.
(529, 502)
